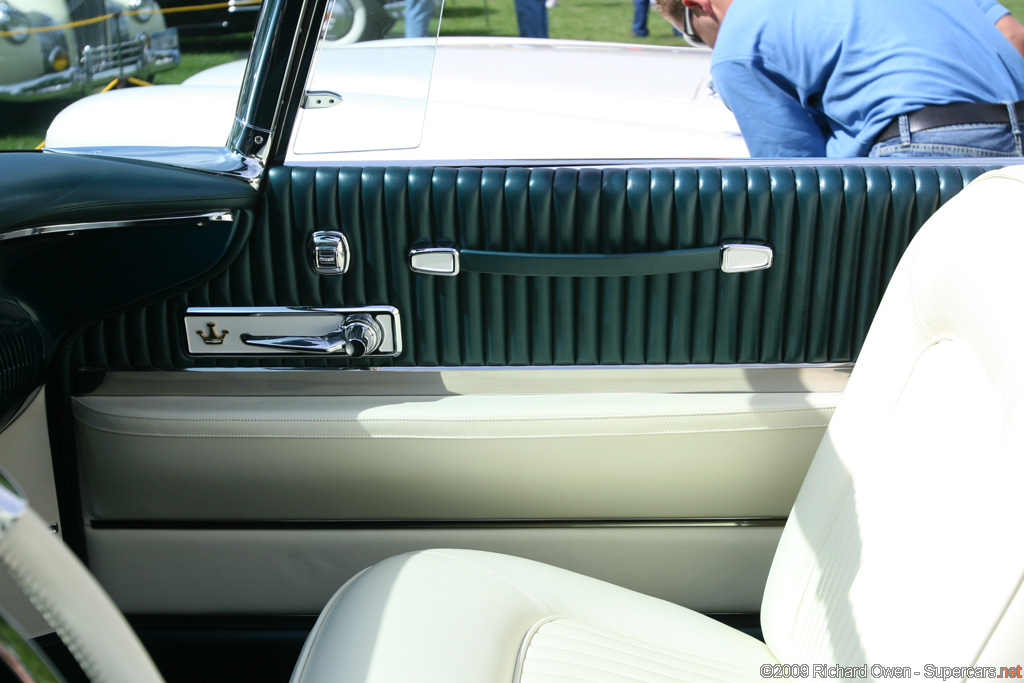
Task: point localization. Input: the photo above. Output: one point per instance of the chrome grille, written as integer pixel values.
(125, 55)
(89, 32)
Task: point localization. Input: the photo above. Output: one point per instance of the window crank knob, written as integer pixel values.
(363, 335)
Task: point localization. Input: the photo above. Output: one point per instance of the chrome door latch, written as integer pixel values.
(372, 331)
(329, 253)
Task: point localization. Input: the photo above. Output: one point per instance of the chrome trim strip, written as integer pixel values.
(340, 159)
(390, 381)
(213, 217)
(384, 524)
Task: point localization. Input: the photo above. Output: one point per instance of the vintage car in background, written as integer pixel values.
(350, 20)
(51, 49)
(453, 98)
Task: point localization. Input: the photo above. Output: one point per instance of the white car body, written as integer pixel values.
(468, 99)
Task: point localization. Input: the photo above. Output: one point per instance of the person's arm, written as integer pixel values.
(1013, 30)
(1004, 21)
(773, 122)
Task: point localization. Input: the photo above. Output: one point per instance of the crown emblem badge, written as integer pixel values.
(212, 337)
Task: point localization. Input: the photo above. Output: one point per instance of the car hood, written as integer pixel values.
(489, 98)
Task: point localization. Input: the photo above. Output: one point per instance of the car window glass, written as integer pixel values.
(368, 88)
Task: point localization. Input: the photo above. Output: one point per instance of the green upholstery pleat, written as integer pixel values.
(847, 262)
(837, 233)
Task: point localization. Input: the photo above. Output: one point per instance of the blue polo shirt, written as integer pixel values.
(992, 9)
(822, 78)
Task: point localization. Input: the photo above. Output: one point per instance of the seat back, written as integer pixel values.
(904, 545)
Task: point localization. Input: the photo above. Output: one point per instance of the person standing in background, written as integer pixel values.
(417, 18)
(640, 10)
(532, 16)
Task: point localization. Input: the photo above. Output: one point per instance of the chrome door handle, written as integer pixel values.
(359, 335)
(730, 258)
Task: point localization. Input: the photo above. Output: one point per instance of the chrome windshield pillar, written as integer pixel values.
(282, 51)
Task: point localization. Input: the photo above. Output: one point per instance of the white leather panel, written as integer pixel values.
(579, 456)
(912, 505)
(458, 615)
(711, 569)
(564, 650)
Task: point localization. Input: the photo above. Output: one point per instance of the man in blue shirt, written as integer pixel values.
(848, 78)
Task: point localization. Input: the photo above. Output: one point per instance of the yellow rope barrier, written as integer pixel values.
(122, 82)
(131, 13)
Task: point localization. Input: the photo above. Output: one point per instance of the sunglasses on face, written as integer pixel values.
(688, 31)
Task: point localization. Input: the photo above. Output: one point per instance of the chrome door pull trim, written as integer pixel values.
(744, 258)
(730, 258)
(435, 261)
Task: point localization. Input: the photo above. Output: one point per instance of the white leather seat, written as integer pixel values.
(903, 548)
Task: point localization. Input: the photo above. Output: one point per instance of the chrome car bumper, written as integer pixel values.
(98, 66)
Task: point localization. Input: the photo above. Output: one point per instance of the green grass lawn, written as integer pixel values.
(605, 20)
(608, 20)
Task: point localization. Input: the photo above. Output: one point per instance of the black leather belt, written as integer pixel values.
(951, 115)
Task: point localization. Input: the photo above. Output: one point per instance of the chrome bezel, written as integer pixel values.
(142, 9)
(51, 59)
(8, 15)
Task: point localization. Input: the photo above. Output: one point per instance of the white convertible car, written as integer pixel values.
(465, 98)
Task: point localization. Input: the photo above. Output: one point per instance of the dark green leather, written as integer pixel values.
(837, 232)
(54, 188)
(589, 265)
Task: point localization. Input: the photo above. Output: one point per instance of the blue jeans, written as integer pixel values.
(960, 140)
(533, 18)
(417, 17)
(640, 10)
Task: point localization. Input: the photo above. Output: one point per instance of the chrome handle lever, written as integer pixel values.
(359, 335)
(331, 343)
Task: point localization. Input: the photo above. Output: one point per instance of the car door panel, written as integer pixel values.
(837, 234)
(260, 572)
(596, 456)
(283, 470)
